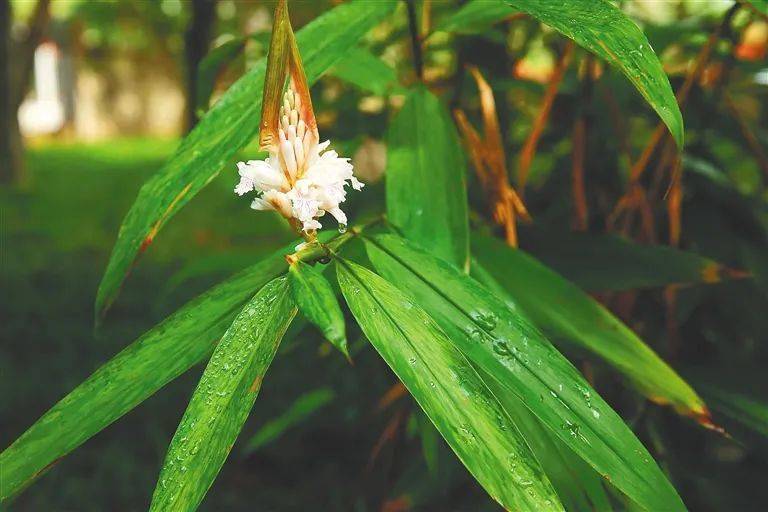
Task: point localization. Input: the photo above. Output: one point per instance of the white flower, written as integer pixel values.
(300, 179)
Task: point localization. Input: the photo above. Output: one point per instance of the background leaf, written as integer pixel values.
(611, 263)
(566, 313)
(211, 66)
(425, 178)
(604, 30)
(317, 302)
(304, 406)
(223, 399)
(499, 339)
(476, 16)
(362, 68)
(228, 127)
(448, 389)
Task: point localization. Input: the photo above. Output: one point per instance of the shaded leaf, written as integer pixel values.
(448, 389)
(228, 127)
(223, 398)
(425, 178)
(500, 341)
(476, 16)
(368, 72)
(317, 302)
(211, 66)
(609, 262)
(304, 406)
(565, 312)
(604, 30)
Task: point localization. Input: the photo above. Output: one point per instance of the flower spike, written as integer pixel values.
(301, 179)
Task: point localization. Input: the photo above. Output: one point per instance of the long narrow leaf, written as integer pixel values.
(160, 355)
(228, 126)
(449, 390)
(426, 192)
(603, 29)
(611, 263)
(501, 341)
(223, 398)
(564, 312)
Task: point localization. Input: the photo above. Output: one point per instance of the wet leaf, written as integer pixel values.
(450, 391)
(317, 302)
(496, 337)
(223, 399)
(604, 30)
(225, 129)
(564, 312)
(181, 341)
(476, 16)
(425, 178)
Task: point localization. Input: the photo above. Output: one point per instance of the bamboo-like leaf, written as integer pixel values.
(227, 128)
(368, 72)
(426, 191)
(223, 398)
(579, 486)
(448, 389)
(497, 338)
(603, 29)
(566, 313)
(610, 263)
(181, 341)
(317, 302)
(301, 409)
(476, 16)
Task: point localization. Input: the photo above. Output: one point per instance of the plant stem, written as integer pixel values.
(418, 62)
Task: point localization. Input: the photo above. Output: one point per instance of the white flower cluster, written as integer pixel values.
(300, 179)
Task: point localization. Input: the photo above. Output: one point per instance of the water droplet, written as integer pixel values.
(412, 361)
(342, 228)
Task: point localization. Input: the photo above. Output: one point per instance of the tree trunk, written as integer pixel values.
(15, 77)
(196, 41)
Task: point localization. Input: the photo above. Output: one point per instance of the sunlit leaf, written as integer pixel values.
(317, 302)
(600, 27)
(228, 127)
(425, 178)
(223, 398)
(368, 72)
(500, 341)
(448, 389)
(564, 312)
(304, 406)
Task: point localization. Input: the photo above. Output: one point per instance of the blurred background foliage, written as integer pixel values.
(100, 93)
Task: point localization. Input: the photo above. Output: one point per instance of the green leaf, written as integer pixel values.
(368, 72)
(229, 126)
(426, 192)
(223, 398)
(449, 390)
(306, 405)
(500, 341)
(211, 66)
(760, 5)
(611, 263)
(745, 409)
(603, 29)
(317, 302)
(476, 16)
(564, 312)
(181, 341)
(578, 485)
